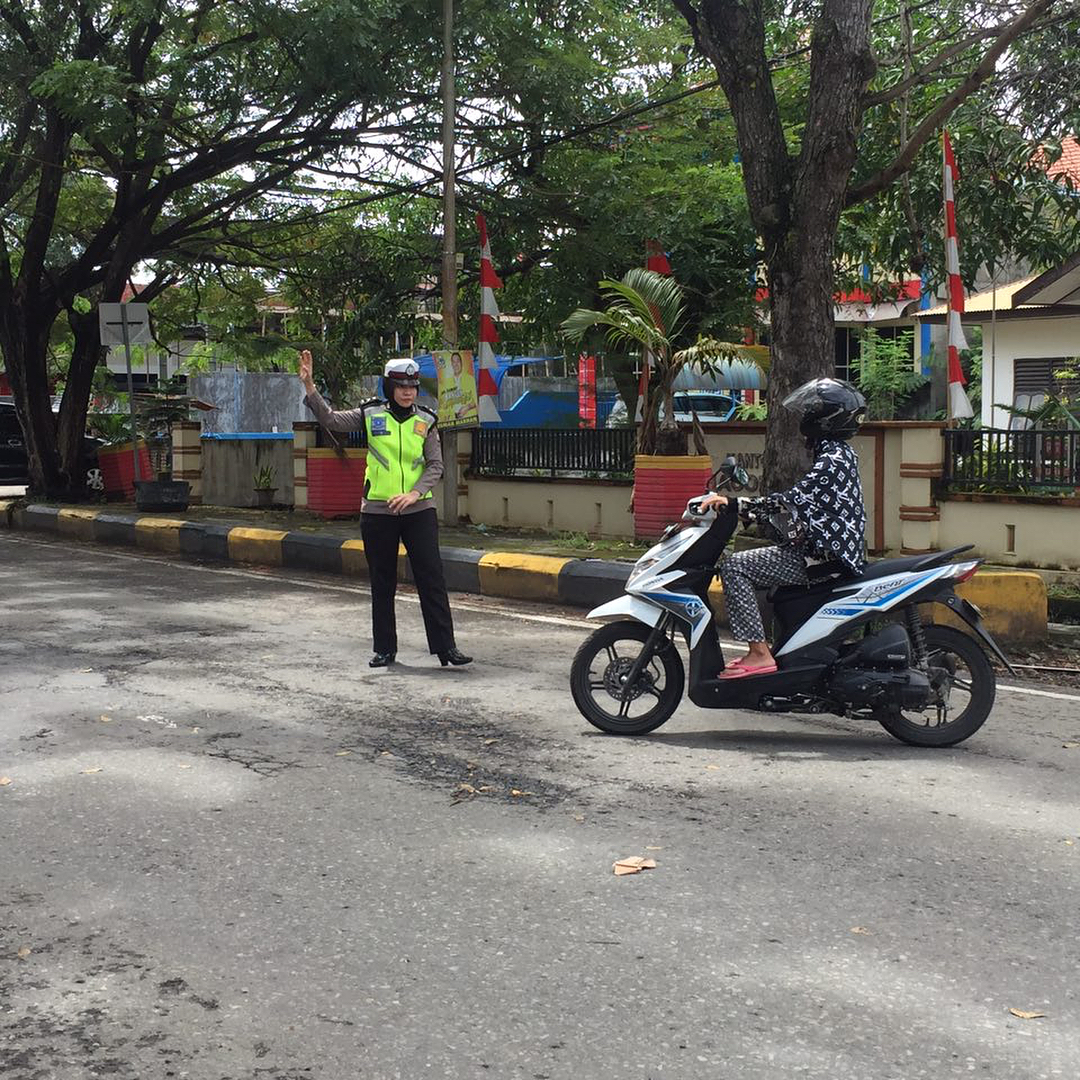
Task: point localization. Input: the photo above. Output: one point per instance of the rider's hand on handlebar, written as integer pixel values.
(712, 499)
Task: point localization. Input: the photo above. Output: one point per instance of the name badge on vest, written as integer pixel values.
(378, 425)
(420, 428)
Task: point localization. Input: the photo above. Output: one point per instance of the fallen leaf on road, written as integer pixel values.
(1070, 745)
(712, 766)
(859, 930)
(488, 742)
(4, 781)
(342, 753)
(23, 953)
(650, 847)
(1070, 842)
(92, 769)
(519, 794)
(85, 670)
(103, 719)
(633, 864)
(466, 789)
(1025, 1015)
(579, 817)
(183, 766)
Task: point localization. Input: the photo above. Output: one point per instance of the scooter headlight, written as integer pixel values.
(641, 570)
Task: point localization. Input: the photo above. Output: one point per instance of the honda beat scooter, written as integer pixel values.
(852, 646)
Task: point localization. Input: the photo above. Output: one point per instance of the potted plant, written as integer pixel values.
(115, 457)
(263, 481)
(647, 311)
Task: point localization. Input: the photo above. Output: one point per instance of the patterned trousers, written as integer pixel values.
(757, 568)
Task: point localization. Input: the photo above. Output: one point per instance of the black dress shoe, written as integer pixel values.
(381, 659)
(454, 656)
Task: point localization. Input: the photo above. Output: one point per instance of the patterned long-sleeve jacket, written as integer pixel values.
(828, 505)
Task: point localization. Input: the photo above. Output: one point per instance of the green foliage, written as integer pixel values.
(647, 311)
(263, 479)
(746, 411)
(885, 372)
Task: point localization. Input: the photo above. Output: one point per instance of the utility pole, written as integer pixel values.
(449, 258)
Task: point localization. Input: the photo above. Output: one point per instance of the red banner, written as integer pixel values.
(586, 378)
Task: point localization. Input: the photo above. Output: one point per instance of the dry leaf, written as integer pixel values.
(103, 719)
(466, 789)
(519, 794)
(183, 766)
(579, 817)
(4, 781)
(92, 769)
(24, 952)
(1025, 1015)
(859, 930)
(488, 742)
(342, 753)
(1070, 745)
(1070, 842)
(712, 766)
(650, 848)
(85, 670)
(195, 731)
(633, 864)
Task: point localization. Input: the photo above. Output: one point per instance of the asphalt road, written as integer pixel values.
(229, 850)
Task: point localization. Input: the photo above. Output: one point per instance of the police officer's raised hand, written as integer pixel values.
(305, 371)
(400, 502)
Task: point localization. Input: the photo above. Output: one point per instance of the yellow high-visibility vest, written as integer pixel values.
(395, 452)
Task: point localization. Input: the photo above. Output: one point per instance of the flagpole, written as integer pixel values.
(449, 259)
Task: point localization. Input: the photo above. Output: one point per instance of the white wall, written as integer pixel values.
(1020, 339)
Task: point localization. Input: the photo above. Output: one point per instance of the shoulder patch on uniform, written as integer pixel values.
(370, 402)
(431, 412)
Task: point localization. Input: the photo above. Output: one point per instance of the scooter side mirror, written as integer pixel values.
(741, 476)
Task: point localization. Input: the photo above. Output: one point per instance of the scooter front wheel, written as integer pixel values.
(598, 680)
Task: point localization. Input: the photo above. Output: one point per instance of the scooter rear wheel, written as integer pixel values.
(965, 684)
(599, 670)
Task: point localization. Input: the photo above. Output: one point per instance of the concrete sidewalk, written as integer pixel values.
(1013, 603)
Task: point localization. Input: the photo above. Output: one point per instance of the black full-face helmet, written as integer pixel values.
(827, 409)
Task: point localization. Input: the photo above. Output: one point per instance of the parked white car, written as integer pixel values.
(711, 406)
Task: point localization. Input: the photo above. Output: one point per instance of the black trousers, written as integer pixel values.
(419, 532)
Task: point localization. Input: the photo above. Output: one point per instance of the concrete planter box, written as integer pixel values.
(335, 481)
(118, 468)
(662, 486)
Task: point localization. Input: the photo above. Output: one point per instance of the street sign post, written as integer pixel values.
(127, 325)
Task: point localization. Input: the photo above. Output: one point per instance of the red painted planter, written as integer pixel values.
(662, 486)
(118, 468)
(335, 484)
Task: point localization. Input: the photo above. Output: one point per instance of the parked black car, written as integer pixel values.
(14, 468)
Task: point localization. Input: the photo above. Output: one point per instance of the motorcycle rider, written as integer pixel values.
(827, 509)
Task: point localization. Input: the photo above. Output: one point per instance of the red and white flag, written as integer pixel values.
(959, 406)
(486, 390)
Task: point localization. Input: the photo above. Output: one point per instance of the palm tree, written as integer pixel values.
(647, 310)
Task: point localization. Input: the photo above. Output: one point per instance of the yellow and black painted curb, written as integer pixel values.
(514, 575)
(1013, 603)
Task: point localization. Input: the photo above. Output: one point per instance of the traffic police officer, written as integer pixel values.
(404, 462)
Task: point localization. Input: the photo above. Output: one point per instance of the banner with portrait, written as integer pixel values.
(457, 389)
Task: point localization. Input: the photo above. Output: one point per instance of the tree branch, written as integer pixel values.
(930, 125)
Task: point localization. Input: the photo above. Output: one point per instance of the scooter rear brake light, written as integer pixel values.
(965, 571)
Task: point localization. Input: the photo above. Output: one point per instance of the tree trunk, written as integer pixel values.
(85, 357)
(795, 201)
(24, 341)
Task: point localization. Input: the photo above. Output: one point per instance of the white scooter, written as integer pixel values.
(851, 646)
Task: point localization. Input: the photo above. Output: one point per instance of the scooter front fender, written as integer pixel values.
(627, 606)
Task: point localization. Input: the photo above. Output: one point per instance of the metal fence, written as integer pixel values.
(994, 459)
(601, 453)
